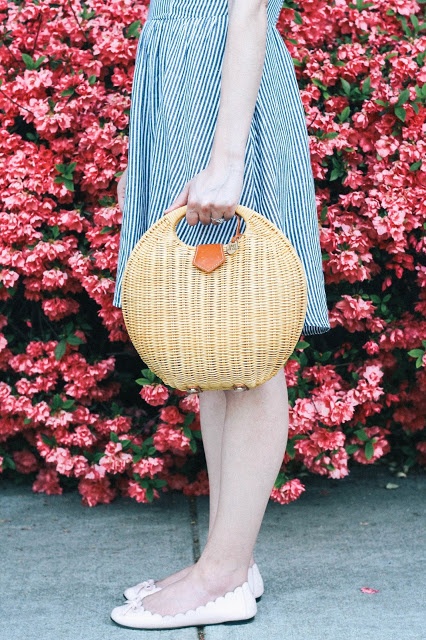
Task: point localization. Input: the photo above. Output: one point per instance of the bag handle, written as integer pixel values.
(177, 214)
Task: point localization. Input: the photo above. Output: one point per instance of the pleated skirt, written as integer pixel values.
(174, 107)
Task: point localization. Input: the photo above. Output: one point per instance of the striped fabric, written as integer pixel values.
(174, 106)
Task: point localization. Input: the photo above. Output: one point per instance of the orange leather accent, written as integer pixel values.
(208, 257)
(237, 235)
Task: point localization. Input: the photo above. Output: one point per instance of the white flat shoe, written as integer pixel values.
(236, 605)
(147, 587)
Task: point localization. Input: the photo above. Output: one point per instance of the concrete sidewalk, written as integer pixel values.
(64, 566)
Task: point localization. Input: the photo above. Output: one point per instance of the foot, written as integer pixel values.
(238, 605)
(191, 591)
(174, 577)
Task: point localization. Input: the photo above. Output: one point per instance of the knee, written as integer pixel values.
(278, 380)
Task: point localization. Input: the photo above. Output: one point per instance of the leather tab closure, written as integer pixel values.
(208, 257)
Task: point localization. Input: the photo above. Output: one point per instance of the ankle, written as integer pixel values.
(212, 571)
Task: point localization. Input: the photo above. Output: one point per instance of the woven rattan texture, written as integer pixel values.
(235, 326)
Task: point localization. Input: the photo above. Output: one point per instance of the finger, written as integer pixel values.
(180, 200)
(205, 214)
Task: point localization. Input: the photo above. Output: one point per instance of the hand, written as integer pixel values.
(121, 189)
(212, 193)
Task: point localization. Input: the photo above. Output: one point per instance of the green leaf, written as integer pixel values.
(150, 375)
(336, 173)
(369, 450)
(302, 345)
(187, 432)
(60, 349)
(324, 212)
(344, 115)
(29, 62)
(346, 86)
(366, 86)
(74, 340)
(360, 433)
(416, 165)
(298, 18)
(50, 441)
(416, 353)
(68, 183)
(55, 231)
(351, 448)
(91, 80)
(132, 30)
(403, 97)
(189, 419)
(39, 61)
(290, 450)
(330, 135)
(414, 21)
(400, 113)
(193, 446)
(9, 463)
(113, 436)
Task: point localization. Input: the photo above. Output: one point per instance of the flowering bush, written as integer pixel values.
(71, 413)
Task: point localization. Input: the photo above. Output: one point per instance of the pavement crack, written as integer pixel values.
(195, 535)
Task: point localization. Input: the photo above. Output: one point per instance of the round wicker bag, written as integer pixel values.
(216, 316)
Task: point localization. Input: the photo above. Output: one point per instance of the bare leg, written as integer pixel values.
(212, 418)
(253, 446)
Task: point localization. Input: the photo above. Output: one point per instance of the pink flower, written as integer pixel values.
(137, 492)
(80, 466)
(154, 394)
(373, 374)
(169, 438)
(191, 402)
(115, 460)
(62, 458)
(288, 492)
(25, 461)
(148, 467)
(171, 415)
(339, 460)
(371, 347)
(350, 313)
(379, 442)
(47, 481)
(328, 439)
(291, 370)
(200, 486)
(96, 491)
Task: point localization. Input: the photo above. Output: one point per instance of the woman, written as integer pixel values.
(216, 120)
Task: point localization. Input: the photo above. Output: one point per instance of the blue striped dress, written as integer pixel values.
(174, 107)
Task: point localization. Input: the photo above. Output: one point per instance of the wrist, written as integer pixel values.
(229, 163)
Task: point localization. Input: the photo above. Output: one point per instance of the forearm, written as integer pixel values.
(241, 74)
